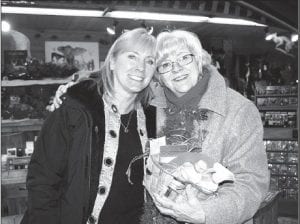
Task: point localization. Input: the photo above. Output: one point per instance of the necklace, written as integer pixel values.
(126, 130)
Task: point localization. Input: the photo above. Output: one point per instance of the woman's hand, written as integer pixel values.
(185, 208)
(57, 101)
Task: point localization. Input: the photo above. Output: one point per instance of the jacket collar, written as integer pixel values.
(86, 92)
(214, 99)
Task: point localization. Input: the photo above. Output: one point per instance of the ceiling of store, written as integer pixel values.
(284, 12)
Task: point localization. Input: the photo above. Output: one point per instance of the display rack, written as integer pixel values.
(16, 133)
(278, 109)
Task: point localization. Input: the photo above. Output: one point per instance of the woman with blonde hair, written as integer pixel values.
(77, 173)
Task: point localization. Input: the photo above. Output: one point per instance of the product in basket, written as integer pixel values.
(172, 167)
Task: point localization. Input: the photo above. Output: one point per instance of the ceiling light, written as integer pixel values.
(180, 18)
(126, 15)
(156, 16)
(232, 21)
(294, 37)
(52, 12)
(5, 26)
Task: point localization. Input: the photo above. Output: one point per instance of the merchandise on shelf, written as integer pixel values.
(283, 166)
(272, 90)
(279, 119)
(26, 102)
(36, 69)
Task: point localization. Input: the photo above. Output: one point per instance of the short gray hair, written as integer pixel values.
(170, 41)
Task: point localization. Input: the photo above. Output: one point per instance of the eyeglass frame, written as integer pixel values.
(176, 61)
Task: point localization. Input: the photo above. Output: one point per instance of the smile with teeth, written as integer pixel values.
(136, 78)
(181, 77)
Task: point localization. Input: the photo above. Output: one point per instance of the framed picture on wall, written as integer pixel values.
(83, 55)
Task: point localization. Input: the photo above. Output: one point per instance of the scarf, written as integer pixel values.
(191, 99)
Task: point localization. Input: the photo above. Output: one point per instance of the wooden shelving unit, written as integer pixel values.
(278, 108)
(21, 125)
(14, 172)
(19, 82)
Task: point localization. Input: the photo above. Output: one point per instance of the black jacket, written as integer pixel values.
(59, 174)
(58, 180)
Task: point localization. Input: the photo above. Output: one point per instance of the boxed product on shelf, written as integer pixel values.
(271, 90)
(291, 146)
(288, 182)
(292, 182)
(272, 145)
(282, 182)
(278, 145)
(279, 119)
(273, 101)
(15, 163)
(274, 183)
(276, 119)
(277, 157)
(262, 101)
(290, 194)
(274, 168)
(292, 119)
(294, 89)
(283, 169)
(292, 170)
(293, 100)
(292, 157)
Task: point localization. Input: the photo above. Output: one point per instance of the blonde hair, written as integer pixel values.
(168, 42)
(138, 39)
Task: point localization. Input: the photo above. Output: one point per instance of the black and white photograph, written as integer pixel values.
(149, 112)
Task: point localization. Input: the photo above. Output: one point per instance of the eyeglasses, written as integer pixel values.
(167, 66)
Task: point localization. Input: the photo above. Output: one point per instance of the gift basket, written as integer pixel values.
(168, 172)
(170, 168)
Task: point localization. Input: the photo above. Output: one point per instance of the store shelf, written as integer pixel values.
(276, 95)
(49, 81)
(278, 108)
(294, 151)
(13, 176)
(285, 163)
(280, 133)
(283, 175)
(21, 125)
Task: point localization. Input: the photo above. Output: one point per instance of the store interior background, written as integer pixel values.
(244, 56)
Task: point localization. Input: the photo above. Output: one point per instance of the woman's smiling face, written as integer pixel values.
(181, 78)
(133, 71)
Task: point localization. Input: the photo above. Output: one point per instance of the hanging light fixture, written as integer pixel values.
(5, 26)
(294, 37)
(111, 30)
(148, 28)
